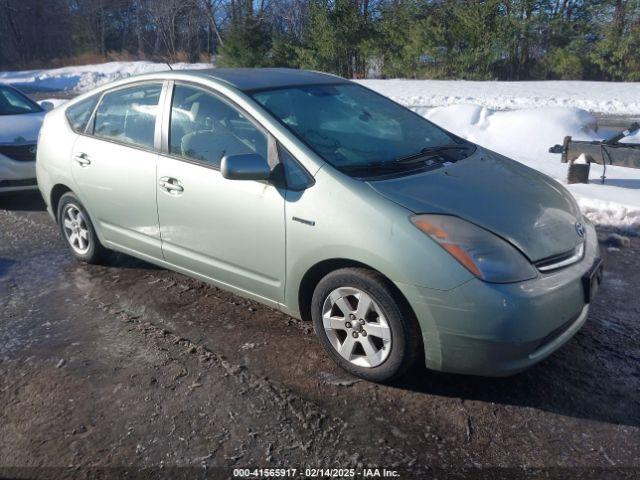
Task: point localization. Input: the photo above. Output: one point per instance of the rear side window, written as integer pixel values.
(128, 115)
(205, 128)
(79, 114)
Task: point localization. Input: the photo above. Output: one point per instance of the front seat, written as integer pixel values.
(210, 146)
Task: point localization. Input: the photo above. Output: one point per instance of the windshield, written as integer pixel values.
(12, 102)
(355, 129)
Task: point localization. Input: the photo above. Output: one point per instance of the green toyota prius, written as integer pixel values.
(319, 197)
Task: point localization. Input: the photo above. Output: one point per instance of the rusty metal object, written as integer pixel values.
(578, 173)
(606, 152)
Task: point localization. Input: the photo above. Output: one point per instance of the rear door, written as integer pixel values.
(229, 231)
(114, 164)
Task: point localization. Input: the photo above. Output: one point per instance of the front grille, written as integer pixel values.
(19, 153)
(563, 260)
(27, 182)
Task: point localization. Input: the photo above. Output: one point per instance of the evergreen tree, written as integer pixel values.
(470, 39)
(474, 38)
(617, 51)
(335, 37)
(407, 39)
(248, 41)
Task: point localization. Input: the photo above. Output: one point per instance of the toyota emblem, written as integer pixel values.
(580, 229)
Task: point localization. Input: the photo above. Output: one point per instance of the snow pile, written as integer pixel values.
(600, 97)
(518, 119)
(86, 77)
(526, 135)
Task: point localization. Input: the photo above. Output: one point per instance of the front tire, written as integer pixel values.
(364, 325)
(78, 232)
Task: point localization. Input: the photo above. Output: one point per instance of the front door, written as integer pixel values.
(229, 231)
(114, 165)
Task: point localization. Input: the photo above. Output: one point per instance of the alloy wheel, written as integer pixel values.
(75, 229)
(356, 327)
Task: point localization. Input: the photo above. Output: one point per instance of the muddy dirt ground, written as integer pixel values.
(132, 365)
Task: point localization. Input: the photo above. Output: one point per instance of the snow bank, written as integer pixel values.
(600, 97)
(526, 135)
(518, 119)
(86, 77)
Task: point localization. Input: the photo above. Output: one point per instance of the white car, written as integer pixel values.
(20, 122)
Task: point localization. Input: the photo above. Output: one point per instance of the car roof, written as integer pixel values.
(9, 87)
(252, 79)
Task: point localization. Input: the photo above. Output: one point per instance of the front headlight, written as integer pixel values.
(484, 254)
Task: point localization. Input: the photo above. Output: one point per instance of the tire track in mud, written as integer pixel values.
(298, 429)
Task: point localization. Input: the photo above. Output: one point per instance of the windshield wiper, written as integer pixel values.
(430, 152)
(417, 159)
(387, 166)
(384, 166)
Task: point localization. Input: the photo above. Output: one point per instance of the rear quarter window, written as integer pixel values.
(78, 115)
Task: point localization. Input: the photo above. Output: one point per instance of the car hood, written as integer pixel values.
(523, 206)
(20, 129)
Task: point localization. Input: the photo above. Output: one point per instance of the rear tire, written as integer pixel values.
(364, 325)
(78, 232)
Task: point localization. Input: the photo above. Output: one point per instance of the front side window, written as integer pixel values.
(353, 128)
(128, 115)
(204, 128)
(80, 113)
(296, 177)
(13, 102)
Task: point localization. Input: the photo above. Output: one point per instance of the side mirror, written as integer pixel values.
(248, 166)
(46, 105)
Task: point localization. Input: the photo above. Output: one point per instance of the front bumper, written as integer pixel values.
(17, 176)
(489, 329)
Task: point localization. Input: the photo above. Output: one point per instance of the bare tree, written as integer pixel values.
(215, 15)
(164, 15)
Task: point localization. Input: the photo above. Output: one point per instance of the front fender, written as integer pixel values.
(343, 218)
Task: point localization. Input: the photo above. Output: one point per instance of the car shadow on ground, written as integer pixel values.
(558, 385)
(594, 376)
(22, 202)
(119, 260)
(591, 377)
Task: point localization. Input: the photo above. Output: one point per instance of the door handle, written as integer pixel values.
(171, 185)
(82, 159)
